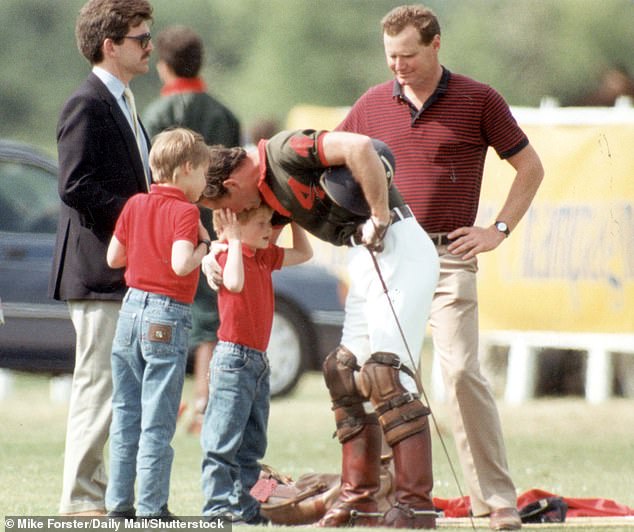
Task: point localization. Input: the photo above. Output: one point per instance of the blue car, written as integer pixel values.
(38, 334)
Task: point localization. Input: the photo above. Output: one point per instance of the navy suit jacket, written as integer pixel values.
(99, 169)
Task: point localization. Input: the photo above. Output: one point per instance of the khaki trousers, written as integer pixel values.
(474, 415)
(90, 409)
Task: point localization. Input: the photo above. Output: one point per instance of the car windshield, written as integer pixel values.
(28, 199)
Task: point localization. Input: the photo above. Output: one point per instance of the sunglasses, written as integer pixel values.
(143, 39)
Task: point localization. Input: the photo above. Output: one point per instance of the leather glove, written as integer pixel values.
(372, 234)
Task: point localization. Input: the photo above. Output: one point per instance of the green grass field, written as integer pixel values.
(560, 445)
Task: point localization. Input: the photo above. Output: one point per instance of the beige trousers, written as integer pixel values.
(90, 409)
(475, 420)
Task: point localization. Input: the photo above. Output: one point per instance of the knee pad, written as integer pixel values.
(339, 370)
(401, 414)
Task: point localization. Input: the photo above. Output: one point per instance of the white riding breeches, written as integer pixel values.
(409, 267)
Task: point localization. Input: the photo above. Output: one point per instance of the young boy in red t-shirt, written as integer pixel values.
(160, 241)
(234, 428)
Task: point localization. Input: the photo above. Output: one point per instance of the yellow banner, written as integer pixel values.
(569, 265)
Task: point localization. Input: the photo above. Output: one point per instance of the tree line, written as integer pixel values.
(266, 56)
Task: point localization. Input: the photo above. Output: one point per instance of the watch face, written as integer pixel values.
(501, 226)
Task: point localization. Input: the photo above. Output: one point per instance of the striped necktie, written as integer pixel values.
(129, 100)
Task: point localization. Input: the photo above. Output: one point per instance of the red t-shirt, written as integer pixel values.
(246, 317)
(440, 149)
(148, 226)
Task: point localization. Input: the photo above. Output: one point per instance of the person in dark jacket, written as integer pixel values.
(102, 149)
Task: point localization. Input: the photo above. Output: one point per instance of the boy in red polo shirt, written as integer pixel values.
(233, 435)
(160, 241)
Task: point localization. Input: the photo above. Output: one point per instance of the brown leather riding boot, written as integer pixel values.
(360, 471)
(413, 480)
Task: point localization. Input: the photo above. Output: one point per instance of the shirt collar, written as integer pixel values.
(441, 88)
(248, 251)
(179, 85)
(112, 82)
(261, 147)
(168, 191)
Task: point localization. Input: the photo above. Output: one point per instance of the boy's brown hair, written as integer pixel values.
(174, 147)
(243, 217)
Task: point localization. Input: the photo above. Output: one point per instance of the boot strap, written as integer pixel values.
(390, 359)
(395, 402)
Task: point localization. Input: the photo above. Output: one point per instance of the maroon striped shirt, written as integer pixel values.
(439, 150)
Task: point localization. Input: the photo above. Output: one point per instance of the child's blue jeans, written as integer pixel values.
(149, 356)
(233, 435)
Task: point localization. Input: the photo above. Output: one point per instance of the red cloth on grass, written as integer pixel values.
(577, 507)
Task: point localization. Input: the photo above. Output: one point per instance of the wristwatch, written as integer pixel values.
(503, 228)
(207, 243)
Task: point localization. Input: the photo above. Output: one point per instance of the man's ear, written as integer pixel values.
(231, 184)
(108, 47)
(436, 42)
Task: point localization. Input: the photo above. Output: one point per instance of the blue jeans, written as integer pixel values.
(149, 355)
(233, 435)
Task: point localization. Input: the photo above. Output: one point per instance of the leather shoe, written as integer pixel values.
(505, 519)
(124, 514)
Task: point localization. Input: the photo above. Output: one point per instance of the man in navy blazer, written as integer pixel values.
(101, 164)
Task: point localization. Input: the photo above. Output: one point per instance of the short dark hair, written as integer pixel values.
(182, 50)
(222, 162)
(417, 15)
(99, 20)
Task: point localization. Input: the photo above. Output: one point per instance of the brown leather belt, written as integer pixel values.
(401, 213)
(440, 239)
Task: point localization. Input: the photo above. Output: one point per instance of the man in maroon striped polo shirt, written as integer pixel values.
(439, 126)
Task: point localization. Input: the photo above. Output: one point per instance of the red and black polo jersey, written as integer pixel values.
(291, 164)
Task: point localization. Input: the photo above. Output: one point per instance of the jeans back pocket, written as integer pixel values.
(124, 333)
